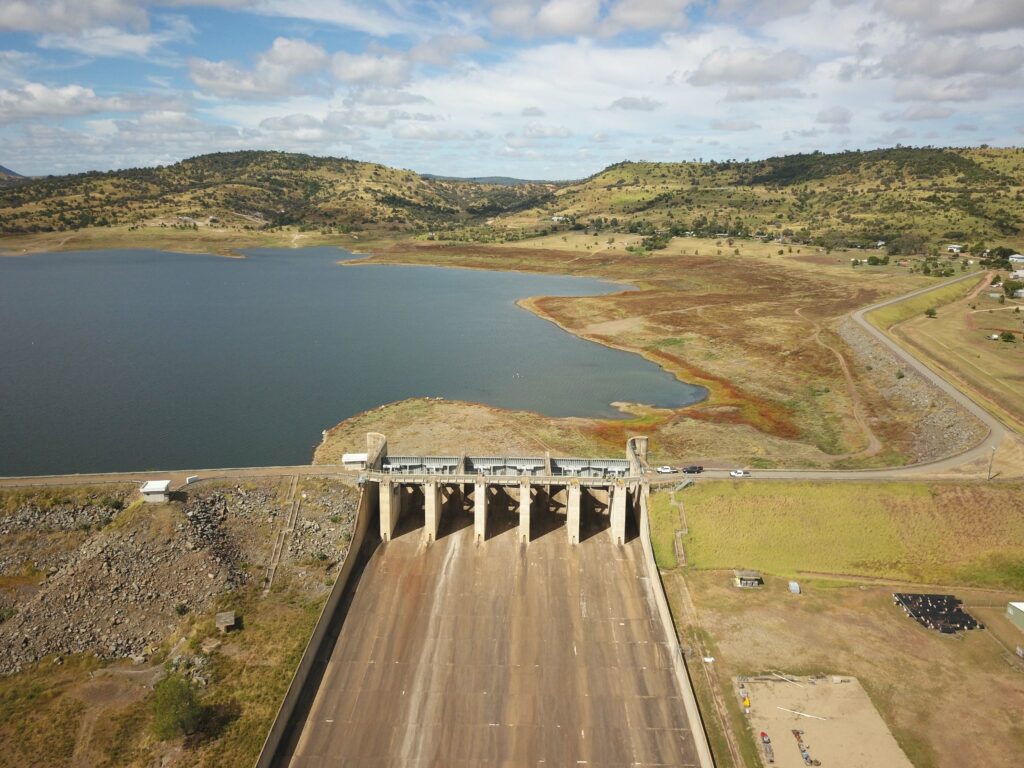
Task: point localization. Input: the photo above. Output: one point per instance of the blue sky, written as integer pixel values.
(540, 89)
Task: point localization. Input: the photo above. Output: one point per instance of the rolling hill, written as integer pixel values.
(851, 198)
(257, 190)
(904, 195)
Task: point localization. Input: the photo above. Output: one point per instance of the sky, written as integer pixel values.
(543, 89)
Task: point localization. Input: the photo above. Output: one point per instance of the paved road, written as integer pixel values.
(177, 476)
(455, 654)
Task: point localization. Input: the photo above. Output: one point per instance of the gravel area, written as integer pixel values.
(939, 426)
(123, 580)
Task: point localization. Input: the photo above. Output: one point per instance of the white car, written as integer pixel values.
(665, 470)
(739, 473)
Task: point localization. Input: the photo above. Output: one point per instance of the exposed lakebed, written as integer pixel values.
(135, 359)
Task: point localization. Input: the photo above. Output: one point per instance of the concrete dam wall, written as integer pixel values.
(446, 648)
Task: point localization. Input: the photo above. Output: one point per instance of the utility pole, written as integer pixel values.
(991, 458)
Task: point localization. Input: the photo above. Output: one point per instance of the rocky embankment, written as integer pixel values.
(938, 425)
(125, 579)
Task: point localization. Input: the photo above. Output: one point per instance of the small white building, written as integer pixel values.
(355, 460)
(954, 248)
(1017, 259)
(154, 491)
(1015, 613)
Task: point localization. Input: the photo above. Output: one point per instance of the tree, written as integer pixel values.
(1007, 336)
(930, 312)
(1009, 286)
(176, 710)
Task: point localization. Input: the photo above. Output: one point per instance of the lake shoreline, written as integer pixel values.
(511, 342)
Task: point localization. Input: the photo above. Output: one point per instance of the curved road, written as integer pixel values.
(997, 431)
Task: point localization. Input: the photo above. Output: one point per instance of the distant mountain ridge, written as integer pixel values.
(508, 181)
(8, 173)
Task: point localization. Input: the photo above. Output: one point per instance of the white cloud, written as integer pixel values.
(275, 73)
(541, 131)
(303, 128)
(369, 69)
(567, 17)
(395, 17)
(951, 58)
(734, 125)
(956, 17)
(919, 112)
(763, 93)
(112, 41)
(756, 11)
(957, 90)
(893, 136)
(750, 66)
(647, 14)
(421, 132)
(553, 17)
(635, 103)
(69, 16)
(441, 49)
(382, 97)
(837, 115)
(35, 100)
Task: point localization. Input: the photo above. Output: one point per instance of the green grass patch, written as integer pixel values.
(946, 534)
(917, 305)
(664, 520)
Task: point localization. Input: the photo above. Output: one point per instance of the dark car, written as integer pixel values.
(693, 469)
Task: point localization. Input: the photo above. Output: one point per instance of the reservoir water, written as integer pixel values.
(132, 359)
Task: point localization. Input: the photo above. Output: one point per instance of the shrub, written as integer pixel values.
(176, 710)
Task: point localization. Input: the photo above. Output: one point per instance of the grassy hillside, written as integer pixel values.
(911, 198)
(908, 197)
(255, 190)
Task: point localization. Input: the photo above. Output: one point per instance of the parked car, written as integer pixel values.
(739, 473)
(693, 469)
(665, 470)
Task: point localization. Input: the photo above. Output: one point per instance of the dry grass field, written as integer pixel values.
(752, 327)
(957, 342)
(949, 701)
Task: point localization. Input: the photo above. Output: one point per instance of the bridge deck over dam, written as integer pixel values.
(460, 653)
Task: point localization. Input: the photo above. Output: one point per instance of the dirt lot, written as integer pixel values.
(841, 726)
(950, 702)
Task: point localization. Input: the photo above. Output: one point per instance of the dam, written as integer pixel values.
(494, 612)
